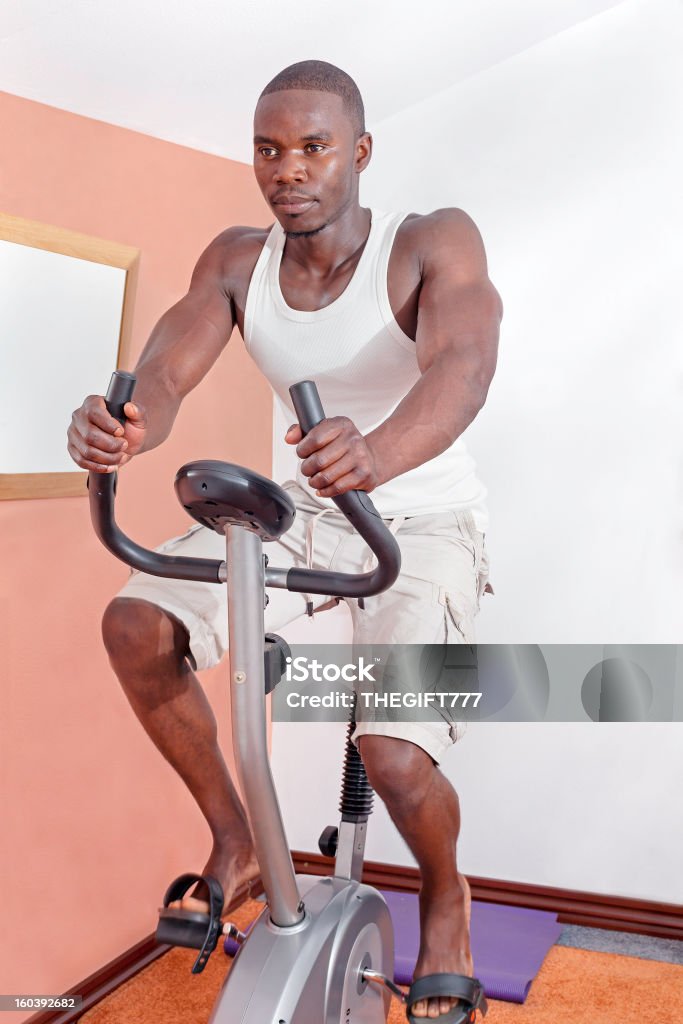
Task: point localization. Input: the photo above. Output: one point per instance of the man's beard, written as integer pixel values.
(304, 234)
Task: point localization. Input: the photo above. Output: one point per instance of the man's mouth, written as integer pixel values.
(291, 203)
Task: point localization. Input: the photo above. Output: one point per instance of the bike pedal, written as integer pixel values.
(381, 979)
(231, 931)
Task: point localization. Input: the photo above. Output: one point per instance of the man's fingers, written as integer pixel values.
(95, 467)
(345, 475)
(328, 457)
(294, 434)
(96, 412)
(348, 482)
(92, 453)
(328, 475)
(98, 440)
(323, 458)
(322, 434)
(134, 414)
(336, 458)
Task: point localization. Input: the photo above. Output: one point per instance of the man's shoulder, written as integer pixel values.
(441, 244)
(230, 257)
(237, 245)
(441, 228)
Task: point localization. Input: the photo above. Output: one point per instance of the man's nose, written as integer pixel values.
(290, 167)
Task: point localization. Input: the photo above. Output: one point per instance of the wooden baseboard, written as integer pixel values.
(595, 910)
(103, 982)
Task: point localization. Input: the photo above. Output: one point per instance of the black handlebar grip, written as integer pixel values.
(307, 405)
(309, 411)
(120, 391)
(358, 508)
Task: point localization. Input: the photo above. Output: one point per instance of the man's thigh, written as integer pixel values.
(202, 607)
(433, 603)
(434, 600)
(436, 596)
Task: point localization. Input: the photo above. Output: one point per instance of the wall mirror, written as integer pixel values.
(66, 305)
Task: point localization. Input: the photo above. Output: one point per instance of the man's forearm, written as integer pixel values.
(439, 407)
(183, 346)
(159, 402)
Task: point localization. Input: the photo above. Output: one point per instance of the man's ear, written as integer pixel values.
(363, 151)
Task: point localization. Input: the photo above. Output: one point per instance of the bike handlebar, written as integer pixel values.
(361, 513)
(102, 490)
(356, 506)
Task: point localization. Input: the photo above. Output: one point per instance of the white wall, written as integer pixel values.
(568, 157)
(211, 58)
(594, 808)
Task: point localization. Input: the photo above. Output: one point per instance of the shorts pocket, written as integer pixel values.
(459, 613)
(481, 557)
(483, 584)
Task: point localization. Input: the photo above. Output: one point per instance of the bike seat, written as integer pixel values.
(218, 494)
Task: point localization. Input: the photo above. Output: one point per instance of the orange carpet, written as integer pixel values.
(574, 986)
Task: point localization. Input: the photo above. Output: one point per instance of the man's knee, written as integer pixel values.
(136, 632)
(399, 771)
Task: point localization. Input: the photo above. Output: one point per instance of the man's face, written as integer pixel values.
(306, 157)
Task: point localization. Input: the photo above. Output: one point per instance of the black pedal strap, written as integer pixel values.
(178, 888)
(455, 986)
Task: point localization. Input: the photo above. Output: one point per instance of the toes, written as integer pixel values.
(437, 1007)
(432, 1008)
(190, 903)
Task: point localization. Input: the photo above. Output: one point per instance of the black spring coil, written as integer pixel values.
(357, 793)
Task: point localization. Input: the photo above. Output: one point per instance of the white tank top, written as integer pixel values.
(363, 365)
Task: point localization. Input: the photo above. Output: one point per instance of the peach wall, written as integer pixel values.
(95, 823)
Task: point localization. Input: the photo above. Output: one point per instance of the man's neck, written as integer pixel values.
(325, 251)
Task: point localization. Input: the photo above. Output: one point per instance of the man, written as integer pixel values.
(396, 320)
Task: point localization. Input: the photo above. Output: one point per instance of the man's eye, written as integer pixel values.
(266, 151)
(314, 147)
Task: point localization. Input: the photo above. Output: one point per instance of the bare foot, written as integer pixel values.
(444, 942)
(235, 867)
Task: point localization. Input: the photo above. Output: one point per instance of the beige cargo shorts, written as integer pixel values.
(444, 572)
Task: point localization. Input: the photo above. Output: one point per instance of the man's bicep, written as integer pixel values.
(459, 309)
(190, 336)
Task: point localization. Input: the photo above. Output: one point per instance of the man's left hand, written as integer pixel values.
(336, 457)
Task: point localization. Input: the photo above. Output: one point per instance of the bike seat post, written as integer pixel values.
(246, 600)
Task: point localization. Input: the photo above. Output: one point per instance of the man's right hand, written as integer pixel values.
(98, 442)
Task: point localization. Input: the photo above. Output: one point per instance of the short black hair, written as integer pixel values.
(320, 76)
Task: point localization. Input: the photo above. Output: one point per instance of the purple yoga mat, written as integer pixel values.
(509, 944)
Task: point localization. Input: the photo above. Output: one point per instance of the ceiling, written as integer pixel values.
(190, 71)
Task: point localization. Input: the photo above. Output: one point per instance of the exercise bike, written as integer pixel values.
(322, 950)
